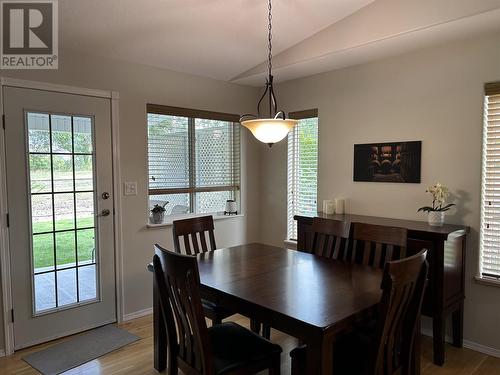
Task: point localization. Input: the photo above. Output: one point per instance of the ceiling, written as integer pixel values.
(227, 39)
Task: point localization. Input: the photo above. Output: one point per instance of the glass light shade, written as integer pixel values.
(269, 130)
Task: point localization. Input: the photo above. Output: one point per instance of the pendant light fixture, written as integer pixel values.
(274, 128)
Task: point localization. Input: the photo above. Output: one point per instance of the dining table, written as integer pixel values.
(306, 296)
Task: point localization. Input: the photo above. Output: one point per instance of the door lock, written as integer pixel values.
(105, 195)
(105, 212)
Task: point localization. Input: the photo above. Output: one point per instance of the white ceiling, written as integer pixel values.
(227, 39)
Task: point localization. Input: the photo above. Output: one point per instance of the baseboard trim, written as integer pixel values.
(482, 348)
(469, 345)
(2, 353)
(137, 314)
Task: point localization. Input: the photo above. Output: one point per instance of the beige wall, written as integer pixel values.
(433, 95)
(137, 86)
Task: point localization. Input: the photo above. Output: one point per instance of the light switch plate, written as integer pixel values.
(130, 188)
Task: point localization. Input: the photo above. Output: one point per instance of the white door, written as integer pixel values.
(59, 186)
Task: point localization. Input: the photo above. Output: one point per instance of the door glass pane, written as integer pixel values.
(65, 249)
(87, 284)
(40, 180)
(61, 134)
(84, 180)
(83, 134)
(84, 210)
(66, 287)
(61, 174)
(86, 246)
(45, 291)
(43, 252)
(64, 211)
(38, 132)
(41, 213)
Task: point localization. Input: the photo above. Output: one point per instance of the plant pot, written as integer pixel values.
(157, 217)
(436, 218)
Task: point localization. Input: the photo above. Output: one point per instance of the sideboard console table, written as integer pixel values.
(446, 247)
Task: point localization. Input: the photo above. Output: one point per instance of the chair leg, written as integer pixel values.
(266, 331)
(255, 326)
(275, 368)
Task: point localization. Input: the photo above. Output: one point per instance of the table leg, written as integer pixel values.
(457, 318)
(319, 356)
(159, 333)
(438, 337)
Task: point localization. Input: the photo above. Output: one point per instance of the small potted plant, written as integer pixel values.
(158, 213)
(436, 213)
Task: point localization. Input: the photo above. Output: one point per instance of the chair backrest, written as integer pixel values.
(403, 286)
(330, 238)
(374, 245)
(194, 231)
(178, 282)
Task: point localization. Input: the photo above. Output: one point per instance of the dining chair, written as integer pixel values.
(330, 237)
(194, 233)
(374, 245)
(226, 348)
(390, 347)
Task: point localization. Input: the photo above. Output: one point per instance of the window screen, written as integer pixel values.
(194, 159)
(302, 168)
(490, 203)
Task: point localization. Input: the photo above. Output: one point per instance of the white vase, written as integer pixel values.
(436, 218)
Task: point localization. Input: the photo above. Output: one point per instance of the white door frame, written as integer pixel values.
(4, 230)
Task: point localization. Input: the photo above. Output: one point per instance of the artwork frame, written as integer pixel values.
(395, 162)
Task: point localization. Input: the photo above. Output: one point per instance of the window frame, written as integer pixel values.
(490, 89)
(300, 115)
(192, 189)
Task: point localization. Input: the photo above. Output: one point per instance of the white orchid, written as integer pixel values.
(439, 194)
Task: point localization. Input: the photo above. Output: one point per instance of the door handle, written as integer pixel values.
(105, 212)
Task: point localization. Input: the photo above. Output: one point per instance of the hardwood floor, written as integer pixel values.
(137, 358)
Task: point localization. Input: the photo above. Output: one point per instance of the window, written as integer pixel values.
(490, 207)
(302, 168)
(194, 159)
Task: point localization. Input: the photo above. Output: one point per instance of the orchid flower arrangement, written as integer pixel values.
(439, 194)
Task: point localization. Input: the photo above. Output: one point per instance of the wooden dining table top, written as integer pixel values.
(309, 289)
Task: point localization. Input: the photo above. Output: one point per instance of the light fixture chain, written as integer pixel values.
(270, 36)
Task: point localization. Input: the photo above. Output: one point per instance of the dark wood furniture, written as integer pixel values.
(312, 298)
(226, 348)
(388, 348)
(194, 232)
(330, 238)
(446, 247)
(374, 245)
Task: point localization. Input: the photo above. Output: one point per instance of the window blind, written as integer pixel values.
(194, 162)
(490, 208)
(302, 170)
